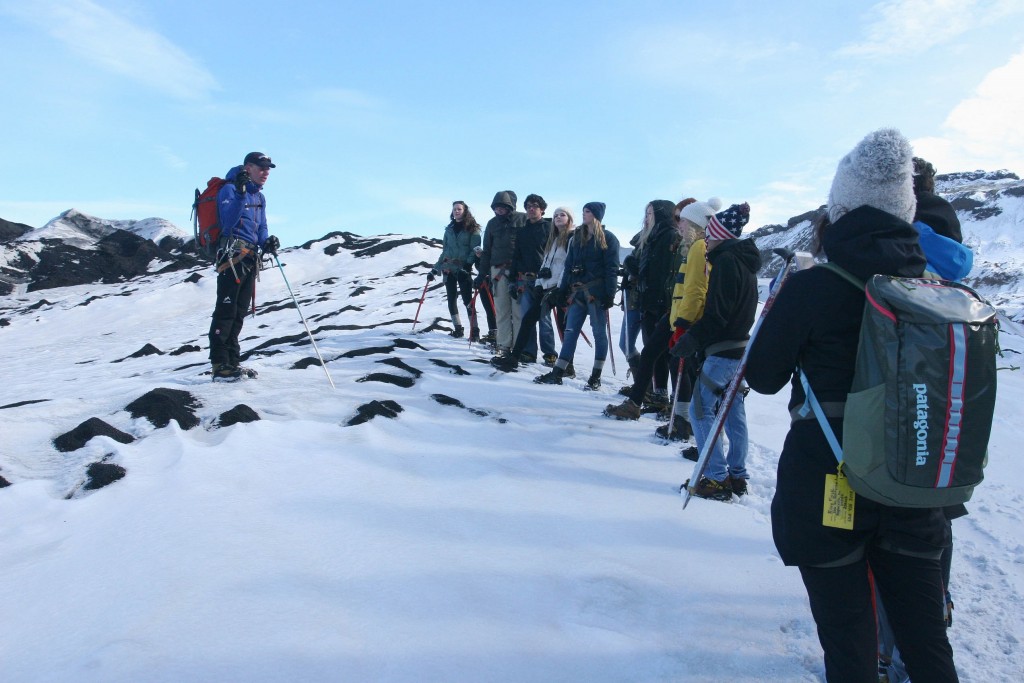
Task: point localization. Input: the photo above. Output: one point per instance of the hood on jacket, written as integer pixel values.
(664, 212)
(939, 215)
(868, 241)
(745, 250)
(505, 198)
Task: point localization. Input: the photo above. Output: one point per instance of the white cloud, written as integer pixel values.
(117, 45)
(983, 131)
(912, 26)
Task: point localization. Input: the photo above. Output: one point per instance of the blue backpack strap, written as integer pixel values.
(811, 404)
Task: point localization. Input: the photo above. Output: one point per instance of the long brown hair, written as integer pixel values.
(563, 238)
(468, 221)
(602, 241)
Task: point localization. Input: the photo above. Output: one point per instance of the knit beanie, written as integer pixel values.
(728, 224)
(877, 172)
(596, 208)
(700, 212)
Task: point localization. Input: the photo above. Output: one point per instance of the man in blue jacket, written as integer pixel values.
(243, 217)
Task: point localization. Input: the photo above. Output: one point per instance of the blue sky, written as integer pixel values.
(379, 114)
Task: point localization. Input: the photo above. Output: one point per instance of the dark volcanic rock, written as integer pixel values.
(10, 230)
(147, 350)
(80, 435)
(4, 482)
(401, 365)
(368, 351)
(24, 403)
(404, 382)
(304, 363)
(446, 400)
(456, 370)
(185, 348)
(119, 256)
(238, 414)
(162, 405)
(100, 474)
(194, 277)
(368, 411)
(406, 344)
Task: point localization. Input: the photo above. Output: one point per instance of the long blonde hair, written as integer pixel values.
(563, 238)
(598, 229)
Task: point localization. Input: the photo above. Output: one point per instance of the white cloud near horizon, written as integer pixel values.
(118, 45)
(913, 26)
(983, 131)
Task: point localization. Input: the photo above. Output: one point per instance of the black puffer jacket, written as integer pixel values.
(732, 296)
(656, 259)
(815, 322)
(529, 246)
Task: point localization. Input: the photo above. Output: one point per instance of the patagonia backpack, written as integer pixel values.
(917, 420)
(205, 217)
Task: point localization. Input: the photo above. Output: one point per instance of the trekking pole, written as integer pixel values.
(416, 319)
(303, 318)
(734, 384)
(472, 316)
(675, 400)
(611, 351)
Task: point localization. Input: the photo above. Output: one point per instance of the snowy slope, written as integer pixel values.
(492, 530)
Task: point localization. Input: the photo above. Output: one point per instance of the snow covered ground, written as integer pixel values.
(494, 530)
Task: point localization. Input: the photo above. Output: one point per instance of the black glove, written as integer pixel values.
(544, 273)
(241, 180)
(608, 301)
(431, 275)
(513, 291)
(631, 265)
(560, 297)
(481, 278)
(686, 347)
(271, 245)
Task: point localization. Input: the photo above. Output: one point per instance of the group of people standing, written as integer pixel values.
(689, 290)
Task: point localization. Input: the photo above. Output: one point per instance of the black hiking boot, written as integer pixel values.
(594, 383)
(474, 334)
(690, 453)
(505, 363)
(625, 390)
(224, 372)
(550, 359)
(527, 358)
(458, 332)
(570, 371)
(553, 377)
(681, 430)
(489, 338)
(739, 486)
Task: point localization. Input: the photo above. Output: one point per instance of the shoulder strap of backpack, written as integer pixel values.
(811, 404)
(843, 273)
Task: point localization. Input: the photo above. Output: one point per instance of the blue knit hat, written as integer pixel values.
(596, 208)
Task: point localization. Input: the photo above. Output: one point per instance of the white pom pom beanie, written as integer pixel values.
(701, 212)
(878, 172)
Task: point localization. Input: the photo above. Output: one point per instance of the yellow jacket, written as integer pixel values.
(691, 288)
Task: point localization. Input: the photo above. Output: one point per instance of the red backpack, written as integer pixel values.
(206, 218)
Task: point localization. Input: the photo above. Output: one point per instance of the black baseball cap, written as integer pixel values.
(260, 159)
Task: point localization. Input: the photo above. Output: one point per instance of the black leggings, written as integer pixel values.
(655, 351)
(456, 284)
(911, 589)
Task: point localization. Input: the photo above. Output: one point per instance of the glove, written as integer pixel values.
(676, 336)
(607, 302)
(271, 245)
(513, 291)
(544, 273)
(631, 265)
(481, 278)
(241, 180)
(431, 275)
(686, 347)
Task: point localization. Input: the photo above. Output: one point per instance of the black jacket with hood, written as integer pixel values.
(815, 323)
(732, 297)
(500, 234)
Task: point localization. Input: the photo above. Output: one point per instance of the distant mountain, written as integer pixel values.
(75, 248)
(990, 206)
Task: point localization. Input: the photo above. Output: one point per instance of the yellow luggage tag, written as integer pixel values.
(839, 501)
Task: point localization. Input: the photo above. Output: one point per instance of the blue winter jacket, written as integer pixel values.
(242, 216)
(947, 258)
(598, 267)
